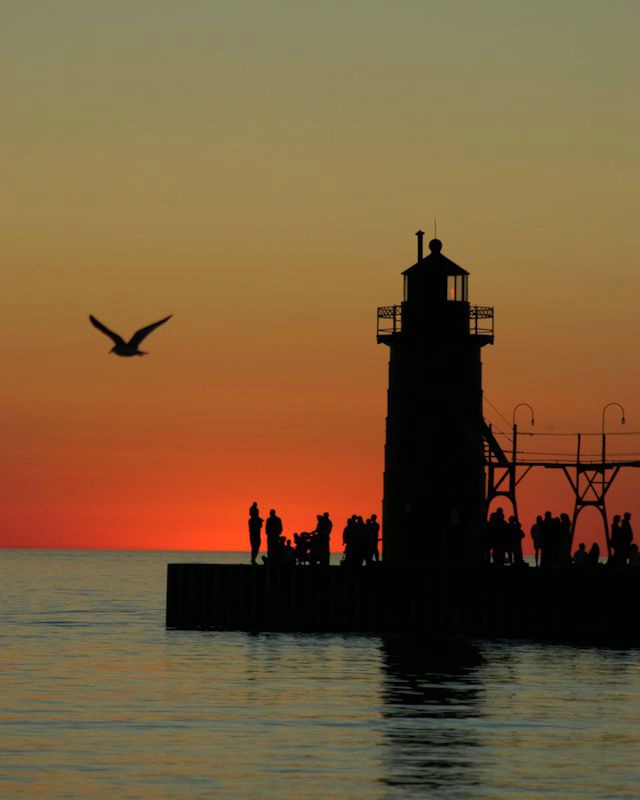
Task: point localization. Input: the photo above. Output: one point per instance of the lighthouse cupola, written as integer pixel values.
(435, 288)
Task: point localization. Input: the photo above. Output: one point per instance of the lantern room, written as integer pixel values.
(435, 279)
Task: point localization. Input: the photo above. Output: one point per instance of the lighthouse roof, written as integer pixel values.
(435, 260)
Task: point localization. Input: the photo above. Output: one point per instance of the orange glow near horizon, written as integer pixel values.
(258, 169)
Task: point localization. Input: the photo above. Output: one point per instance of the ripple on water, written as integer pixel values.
(99, 700)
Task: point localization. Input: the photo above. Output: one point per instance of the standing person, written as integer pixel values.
(626, 538)
(361, 543)
(536, 537)
(615, 539)
(368, 541)
(516, 535)
(255, 526)
(594, 555)
(499, 532)
(348, 540)
(375, 530)
(547, 540)
(581, 557)
(273, 529)
(323, 532)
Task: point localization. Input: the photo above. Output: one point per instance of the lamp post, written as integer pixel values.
(514, 455)
(603, 484)
(622, 420)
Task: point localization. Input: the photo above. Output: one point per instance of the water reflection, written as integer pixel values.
(106, 703)
(430, 691)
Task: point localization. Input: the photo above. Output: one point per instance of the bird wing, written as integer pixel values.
(138, 336)
(97, 324)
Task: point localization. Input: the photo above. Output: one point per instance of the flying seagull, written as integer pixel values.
(129, 348)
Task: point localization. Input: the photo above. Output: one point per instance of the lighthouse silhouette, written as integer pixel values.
(434, 478)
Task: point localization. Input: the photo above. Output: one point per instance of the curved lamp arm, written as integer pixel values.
(608, 405)
(526, 405)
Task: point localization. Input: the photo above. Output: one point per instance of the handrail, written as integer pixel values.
(393, 313)
(389, 321)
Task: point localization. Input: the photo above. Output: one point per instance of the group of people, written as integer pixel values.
(502, 543)
(623, 549)
(360, 539)
(503, 540)
(313, 547)
(308, 547)
(552, 539)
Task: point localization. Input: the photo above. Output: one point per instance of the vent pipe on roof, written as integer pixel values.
(420, 235)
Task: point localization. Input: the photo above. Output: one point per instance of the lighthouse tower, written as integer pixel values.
(434, 481)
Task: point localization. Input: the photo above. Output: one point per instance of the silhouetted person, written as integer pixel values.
(550, 536)
(354, 539)
(323, 538)
(255, 526)
(347, 540)
(516, 535)
(634, 556)
(615, 540)
(536, 537)
(594, 555)
(304, 547)
(273, 529)
(287, 553)
(368, 546)
(564, 540)
(545, 539)
(498, 536)
(581, 557)
(626, 538)
(361, 541)
(374, 532)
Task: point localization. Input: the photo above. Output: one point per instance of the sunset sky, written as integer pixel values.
(258, 168)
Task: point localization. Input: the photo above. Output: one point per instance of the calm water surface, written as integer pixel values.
(99, 700)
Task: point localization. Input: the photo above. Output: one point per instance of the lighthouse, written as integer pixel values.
(434, 476)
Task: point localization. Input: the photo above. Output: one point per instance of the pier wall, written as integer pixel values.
(599, 605)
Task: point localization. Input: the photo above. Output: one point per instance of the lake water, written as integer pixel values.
(98, 699)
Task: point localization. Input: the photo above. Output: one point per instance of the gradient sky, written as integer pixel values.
(258, 169)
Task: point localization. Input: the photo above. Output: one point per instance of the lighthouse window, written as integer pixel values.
(457, 287)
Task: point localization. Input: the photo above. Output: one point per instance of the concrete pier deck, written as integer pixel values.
(591, 606)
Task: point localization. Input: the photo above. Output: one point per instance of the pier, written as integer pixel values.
(574, 605)
(444, 466)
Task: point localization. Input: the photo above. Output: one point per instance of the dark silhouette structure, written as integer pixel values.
(449, 567)
(130, 348)
(590, 479)
(434, 479)
(593, 605)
